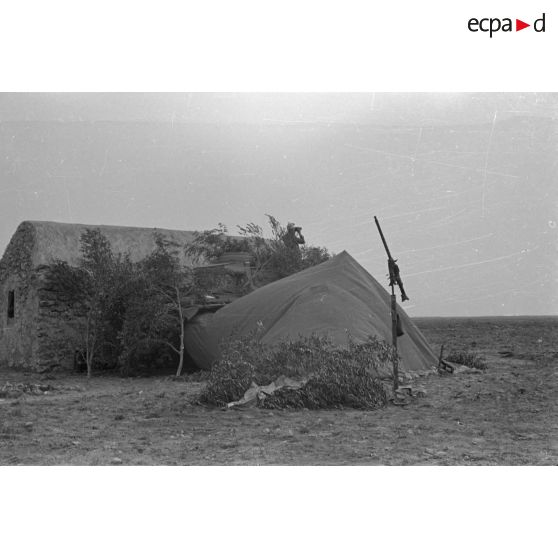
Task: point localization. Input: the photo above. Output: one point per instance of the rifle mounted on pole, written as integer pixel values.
(394, 279)
(393, 268)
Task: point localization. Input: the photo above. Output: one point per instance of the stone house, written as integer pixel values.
(36, 320)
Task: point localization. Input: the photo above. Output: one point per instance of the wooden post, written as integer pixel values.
(394, 278)
(441, 359)
(394, 339)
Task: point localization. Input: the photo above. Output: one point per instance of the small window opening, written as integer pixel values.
(11, 304)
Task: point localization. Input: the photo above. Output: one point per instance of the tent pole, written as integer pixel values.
(394, 338)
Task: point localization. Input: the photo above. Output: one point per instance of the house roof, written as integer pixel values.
(48, 241)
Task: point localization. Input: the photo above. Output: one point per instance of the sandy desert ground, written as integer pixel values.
(505, 415)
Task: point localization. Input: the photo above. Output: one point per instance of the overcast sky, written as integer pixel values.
(464, 185)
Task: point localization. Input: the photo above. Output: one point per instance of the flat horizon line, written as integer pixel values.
(491, 316)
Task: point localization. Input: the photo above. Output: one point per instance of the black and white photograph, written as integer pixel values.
(358, 279)
(278, 278)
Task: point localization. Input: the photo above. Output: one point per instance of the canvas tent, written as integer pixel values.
(337, 298)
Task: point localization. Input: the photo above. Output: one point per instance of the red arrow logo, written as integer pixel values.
(519, 25)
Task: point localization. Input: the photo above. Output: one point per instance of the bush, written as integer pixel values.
(468, 358)
(336, 376)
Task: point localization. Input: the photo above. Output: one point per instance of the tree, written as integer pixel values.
(97, 289)
(155, 315)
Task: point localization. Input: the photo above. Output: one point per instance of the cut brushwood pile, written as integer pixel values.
(309, 373)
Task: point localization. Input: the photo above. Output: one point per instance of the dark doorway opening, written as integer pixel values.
(11, 304)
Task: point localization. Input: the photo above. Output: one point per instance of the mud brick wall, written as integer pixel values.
(58, 326)
(18, 340)
(17, 260)
(44, 332)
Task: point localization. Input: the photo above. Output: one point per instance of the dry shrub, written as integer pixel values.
(467, 358)
(336, 376)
